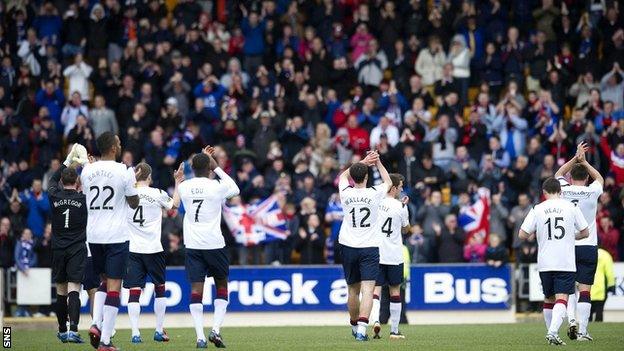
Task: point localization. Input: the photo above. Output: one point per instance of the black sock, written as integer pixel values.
(73, 307)
(61, 312)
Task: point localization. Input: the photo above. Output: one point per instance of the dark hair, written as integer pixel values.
(106, 142)
(551, 186)
(69, 176)
(396, 179)
(358, 172)
(200, 164)
(146, 171)
(579, 172)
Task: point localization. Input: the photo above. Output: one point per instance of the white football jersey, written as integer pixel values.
(145, 222)
(202, 199)
(392, 217)
(361, 208)
(586, 198)
(106, 184)
(555, 222)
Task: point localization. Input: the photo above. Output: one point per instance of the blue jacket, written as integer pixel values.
(615, 116)
(25, 254)
(212, 99)
(254, 38)
(54, 103)
(49, 27)
(384, 102)
(38, 210)
(372, 118)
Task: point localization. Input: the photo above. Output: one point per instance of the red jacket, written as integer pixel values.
(616, 163)
(359, 140)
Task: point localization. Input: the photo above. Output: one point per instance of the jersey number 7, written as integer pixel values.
(199, 202)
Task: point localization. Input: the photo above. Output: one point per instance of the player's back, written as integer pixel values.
(145, 222)
(361, 208)
(106, 185)
(393, 216)
(556, 222)
(202, 199)
(586, 198)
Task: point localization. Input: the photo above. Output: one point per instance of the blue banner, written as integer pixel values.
(323, 288)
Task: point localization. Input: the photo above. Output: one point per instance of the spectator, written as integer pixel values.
(311, 241)
(474, 250)
(25, 259)
(496, 254)
(430, 62)
(450, 240)
(608, 236)
(431, 216)
(386, 129)
(370, 65)
(7, 239)
(459, 57)
(498, 217)
(78, 76)
(612, 86)
(70, 114)
(442, 138)
(102, 118)
(36, 200)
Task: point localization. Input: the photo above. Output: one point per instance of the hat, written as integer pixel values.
(265, 114)
(176, 54)
(172, 101)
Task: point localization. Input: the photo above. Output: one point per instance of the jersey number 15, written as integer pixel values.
(557, 227)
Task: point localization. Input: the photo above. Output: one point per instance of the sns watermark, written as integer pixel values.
(6, 337)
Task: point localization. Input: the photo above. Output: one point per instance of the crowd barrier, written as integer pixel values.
(323, 288)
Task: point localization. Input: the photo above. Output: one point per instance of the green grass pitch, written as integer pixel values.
(520, 336)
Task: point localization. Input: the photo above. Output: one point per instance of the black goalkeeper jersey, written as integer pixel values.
(69, 214)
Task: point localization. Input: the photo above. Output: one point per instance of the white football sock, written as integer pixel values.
(134, 309)
(584, 310)
(548, 317)
(160, 305)
(361, 328)
(374, 316)
(572, 307)
(558, 315)
(220, 307)
(197, 311)
(395, 316)
(110, 314)
(98, 308)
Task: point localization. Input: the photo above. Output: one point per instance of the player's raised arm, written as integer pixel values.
(565, 169)
(385, 176)
(132, 197)
(229, 187)
(178, 176)
(580, 156)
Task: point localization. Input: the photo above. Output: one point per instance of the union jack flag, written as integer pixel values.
(256, 223)
(475, 218)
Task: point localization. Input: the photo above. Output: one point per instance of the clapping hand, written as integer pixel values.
(581, 149)
(178, 175)
(371, 158)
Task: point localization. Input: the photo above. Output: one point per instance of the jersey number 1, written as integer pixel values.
(557, 226)
(66, 213)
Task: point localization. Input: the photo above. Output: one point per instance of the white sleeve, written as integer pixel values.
(579, 220)
(596, 188)
(343, 184)
(404, 216)
(165, 201)
(130, 182)
(529, 225)
(562, 181)
(228, 187)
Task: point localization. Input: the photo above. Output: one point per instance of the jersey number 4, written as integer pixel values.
(105, 206)
(138, 216)
(557, 226)
(386, 228)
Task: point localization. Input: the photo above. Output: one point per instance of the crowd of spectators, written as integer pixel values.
(455, 95)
